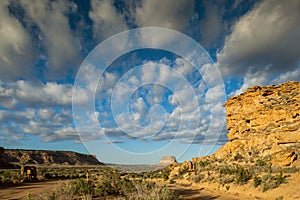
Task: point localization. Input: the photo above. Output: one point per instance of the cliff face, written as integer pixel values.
(47, 157)
(265, 121)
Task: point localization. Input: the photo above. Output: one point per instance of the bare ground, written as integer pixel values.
(20, 191)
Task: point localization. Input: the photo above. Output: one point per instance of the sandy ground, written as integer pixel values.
(287, 191)
(188, 191)
(16, 192)
(290, 190)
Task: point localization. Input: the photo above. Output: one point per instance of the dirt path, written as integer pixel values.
(189, 192)
(21, 191)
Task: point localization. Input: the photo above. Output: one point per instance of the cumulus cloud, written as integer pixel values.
(34, 94)
(158, 102)
(16, 49)
(263, 39)
(62, 47)
(48, 124)
(107, 21)
(34, 32)
(262, 78)
(168, 14)
(41, 109)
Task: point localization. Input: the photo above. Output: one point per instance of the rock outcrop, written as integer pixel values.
(264, 121)
(45, 157)
(168, 160)
(263, 129)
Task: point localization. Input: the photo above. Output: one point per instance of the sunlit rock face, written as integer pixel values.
(265, 121)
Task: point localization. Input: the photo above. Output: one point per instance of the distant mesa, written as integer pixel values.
(45, 157)
(168, 160)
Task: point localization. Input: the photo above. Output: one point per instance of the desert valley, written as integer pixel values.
(261, 160)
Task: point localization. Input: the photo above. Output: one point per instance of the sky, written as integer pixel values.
(132, 81)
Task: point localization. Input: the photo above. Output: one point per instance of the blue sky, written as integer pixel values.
(149, 102)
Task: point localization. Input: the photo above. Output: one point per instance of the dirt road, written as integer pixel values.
(20, 191)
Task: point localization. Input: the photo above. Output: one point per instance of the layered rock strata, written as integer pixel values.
(264, 121)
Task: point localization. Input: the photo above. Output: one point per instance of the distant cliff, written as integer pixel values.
(167, 160)
(47, 157)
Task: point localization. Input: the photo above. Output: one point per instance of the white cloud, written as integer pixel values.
(264, 37)
(106, 19)
(288, 76)
(16, 50)
(50, 93)
(262, 78)
(183, 67)
(35, 94)
(46, 113)
(167, 14)
(62, 47)
(250, 79)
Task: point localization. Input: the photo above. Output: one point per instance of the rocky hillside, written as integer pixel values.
(265, 121)
(45, 157)
(262, 158)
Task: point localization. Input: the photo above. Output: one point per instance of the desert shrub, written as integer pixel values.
(260, 162)
(165, 176)
(279, 198)
(47, 175)
(269, 181)
(82, 186)
(238, 157)
(256, 181)
(125, 186)
(6, 176)
(197, 178)
(69, 190)
(290, 170)
(226, 170)
(148, 191)
(105, 188)
(62, 191)
(280, 179)
(203, 163)
(242, 175)
(226, 180)
(28, 197)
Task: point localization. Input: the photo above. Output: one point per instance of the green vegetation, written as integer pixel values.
(103, 183)
(260, 162)
(242, 175)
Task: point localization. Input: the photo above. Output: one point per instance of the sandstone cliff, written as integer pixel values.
(45, 157)
(262, 158)
(265, 121)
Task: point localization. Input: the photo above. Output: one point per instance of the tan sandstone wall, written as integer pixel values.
(265, 121)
